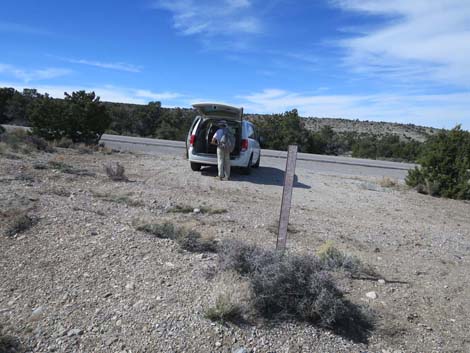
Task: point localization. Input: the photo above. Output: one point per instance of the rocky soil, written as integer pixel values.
(82, 279)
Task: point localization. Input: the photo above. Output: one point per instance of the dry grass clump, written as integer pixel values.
(188, 240)
(115, 172)
(20, 141)
(289, 286)
(387, 182)
(20, 223)
(333, 259)
(231, 298)
(202, 209)
(68, 169)
(122, 199)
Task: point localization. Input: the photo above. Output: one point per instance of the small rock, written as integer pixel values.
(107, 295)
(75, 332)
(93, 233)
(218, 344)
(381, 281)
(197, 210)
(37, 313)
(240, 350)
(130, 286)
(119, 323)
(169, 264)
(372, 295)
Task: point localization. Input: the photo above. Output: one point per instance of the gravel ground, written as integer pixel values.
(84, 280)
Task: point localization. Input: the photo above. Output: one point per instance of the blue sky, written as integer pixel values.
(396, 60)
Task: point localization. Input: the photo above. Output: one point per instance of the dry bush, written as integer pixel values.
(39, 143)
(387, 182)
(64, 142)
(333, 259)
(124, 199)
(289, 286)
(231, 298)
(68, 169)
(115, 172)
(188, 240)
(9, 344)
(20, 223)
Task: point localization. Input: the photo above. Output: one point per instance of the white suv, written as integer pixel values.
(201, 152)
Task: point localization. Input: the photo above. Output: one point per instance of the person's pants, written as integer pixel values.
(223, 163)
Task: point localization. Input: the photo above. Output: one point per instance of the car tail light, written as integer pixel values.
(192, 139)
(244, 145)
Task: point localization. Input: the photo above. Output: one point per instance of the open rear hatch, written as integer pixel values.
(219, 110)
(211, 113)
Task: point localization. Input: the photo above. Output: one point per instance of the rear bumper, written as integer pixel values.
(237, 161)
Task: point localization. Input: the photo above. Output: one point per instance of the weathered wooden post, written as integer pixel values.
(286, 197)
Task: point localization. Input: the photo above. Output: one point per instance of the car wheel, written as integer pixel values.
(195, 166)
(247, 170)
(257, 162)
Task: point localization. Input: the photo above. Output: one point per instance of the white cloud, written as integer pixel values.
(120, 66)
(422, 39)
(211, 18)
(157, 96)
(108, 93)
(443, 110)
(32, 75)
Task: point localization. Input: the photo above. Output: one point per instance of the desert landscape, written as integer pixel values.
(85, 276)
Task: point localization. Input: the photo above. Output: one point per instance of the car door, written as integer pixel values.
(253, 142)
(191, 130)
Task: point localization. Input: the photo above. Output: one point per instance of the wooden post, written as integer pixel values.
(286, 197)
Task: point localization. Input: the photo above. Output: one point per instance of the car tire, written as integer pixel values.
(247, 170)
(195, 166)
(257, 162)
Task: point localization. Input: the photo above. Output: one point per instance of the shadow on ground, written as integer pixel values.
(261, 175)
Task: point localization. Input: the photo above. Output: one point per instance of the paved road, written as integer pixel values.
(309, 163)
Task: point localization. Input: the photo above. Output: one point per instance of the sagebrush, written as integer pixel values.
(293, 287)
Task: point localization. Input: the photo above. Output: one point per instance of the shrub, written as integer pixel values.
(332, 259)
(8, 344)
(20, 223)
(115, 172)
(444, 166)
(68, 169)
(188, 240)
(294, 287)
(40, 143)
(387, 182)
(232, 296)
(64, 142)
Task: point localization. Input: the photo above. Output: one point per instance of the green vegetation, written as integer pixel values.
(444, 166)
(281, 130)
(81, 117)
